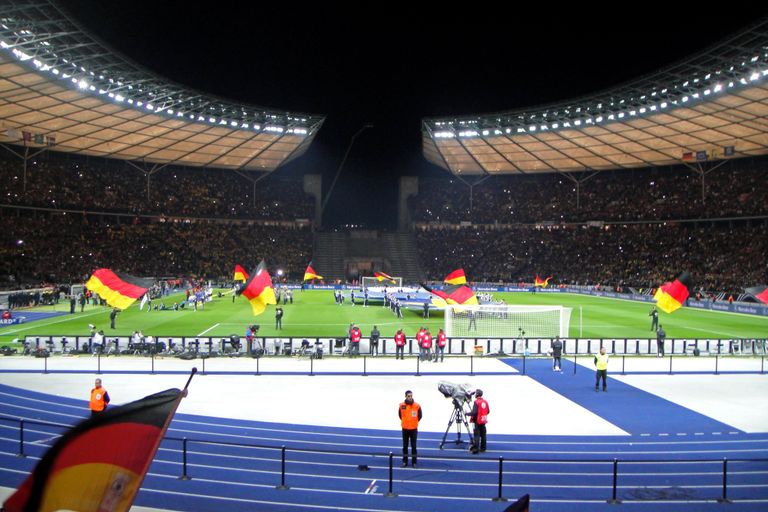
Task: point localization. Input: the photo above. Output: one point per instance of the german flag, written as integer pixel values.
(120, 291)
(100, 463)
(541, 284)
(453, 294)
(670, 297)
(310, 273)
(259, 290)
(759, 292)
(381, 276)
(240, 274)
(456, 277)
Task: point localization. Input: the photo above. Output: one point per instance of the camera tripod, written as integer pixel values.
(459, 417)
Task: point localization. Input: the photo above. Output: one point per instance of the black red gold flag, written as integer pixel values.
(100, 463)
(259, 290)
(120, 291)
(310, 273)
(759, 292)
(240, 274)
(456, 277)
(670, 297)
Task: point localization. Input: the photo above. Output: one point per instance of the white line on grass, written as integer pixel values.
(36, 324)
(209, 329)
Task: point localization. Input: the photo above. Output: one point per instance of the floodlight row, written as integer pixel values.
(696, 90)
(88, 81)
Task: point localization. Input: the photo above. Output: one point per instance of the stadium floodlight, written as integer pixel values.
(82, 84)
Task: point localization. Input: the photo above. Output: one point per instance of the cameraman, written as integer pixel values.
(410, 414)
(479, 416)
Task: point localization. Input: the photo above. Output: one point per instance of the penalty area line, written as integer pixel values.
(209, 329)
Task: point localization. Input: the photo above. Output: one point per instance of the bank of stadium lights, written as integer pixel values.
(85, 85)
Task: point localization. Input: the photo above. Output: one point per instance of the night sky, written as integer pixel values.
(394, 65)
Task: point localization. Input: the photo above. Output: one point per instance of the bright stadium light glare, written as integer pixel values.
(663, 104)
(754, 76)
(5, 45)
(577, 122)
(119, 98)
(211, 119)
(82, 84)
(621, 115)
(611, 117)
(485, 132)
(555, 126)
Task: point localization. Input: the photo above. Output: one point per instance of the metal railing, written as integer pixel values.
(283, 455)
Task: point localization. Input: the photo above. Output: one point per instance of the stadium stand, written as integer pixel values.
(64, 248)
(95, 184)
(736, 189)
(721, 254)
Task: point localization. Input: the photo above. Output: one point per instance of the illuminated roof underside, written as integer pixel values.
(70, 93)
(694, 111)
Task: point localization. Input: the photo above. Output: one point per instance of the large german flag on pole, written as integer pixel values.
(453, 294)
(759, 292)
(670, 297)
(240, 274)
(310, 273)
(120, 291)
(456, 277)
(381, 276)
(99, 464)
(259, 290)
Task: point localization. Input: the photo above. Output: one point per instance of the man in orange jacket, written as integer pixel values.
(99, 399)
(409, 413)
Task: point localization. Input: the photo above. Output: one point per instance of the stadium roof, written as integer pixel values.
(62, 88)
(708, 107)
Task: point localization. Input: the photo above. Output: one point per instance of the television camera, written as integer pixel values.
(460, 394)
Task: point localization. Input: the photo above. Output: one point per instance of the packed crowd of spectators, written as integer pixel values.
(58, 181)
(67, 248)
(720, 255)
(737, 188)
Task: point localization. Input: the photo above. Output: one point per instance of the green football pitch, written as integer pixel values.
(315, 314)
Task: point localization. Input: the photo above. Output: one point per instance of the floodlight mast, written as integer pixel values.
(338, 171)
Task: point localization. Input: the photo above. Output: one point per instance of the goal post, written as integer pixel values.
(507, 321)
(372, 282)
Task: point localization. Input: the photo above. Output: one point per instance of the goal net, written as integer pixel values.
(506, 321)
(373, 282)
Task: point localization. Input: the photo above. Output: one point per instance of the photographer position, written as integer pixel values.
(479, 416)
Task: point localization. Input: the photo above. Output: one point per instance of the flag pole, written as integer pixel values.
(192, 374)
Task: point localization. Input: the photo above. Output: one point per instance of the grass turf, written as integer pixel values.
(314, 314)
